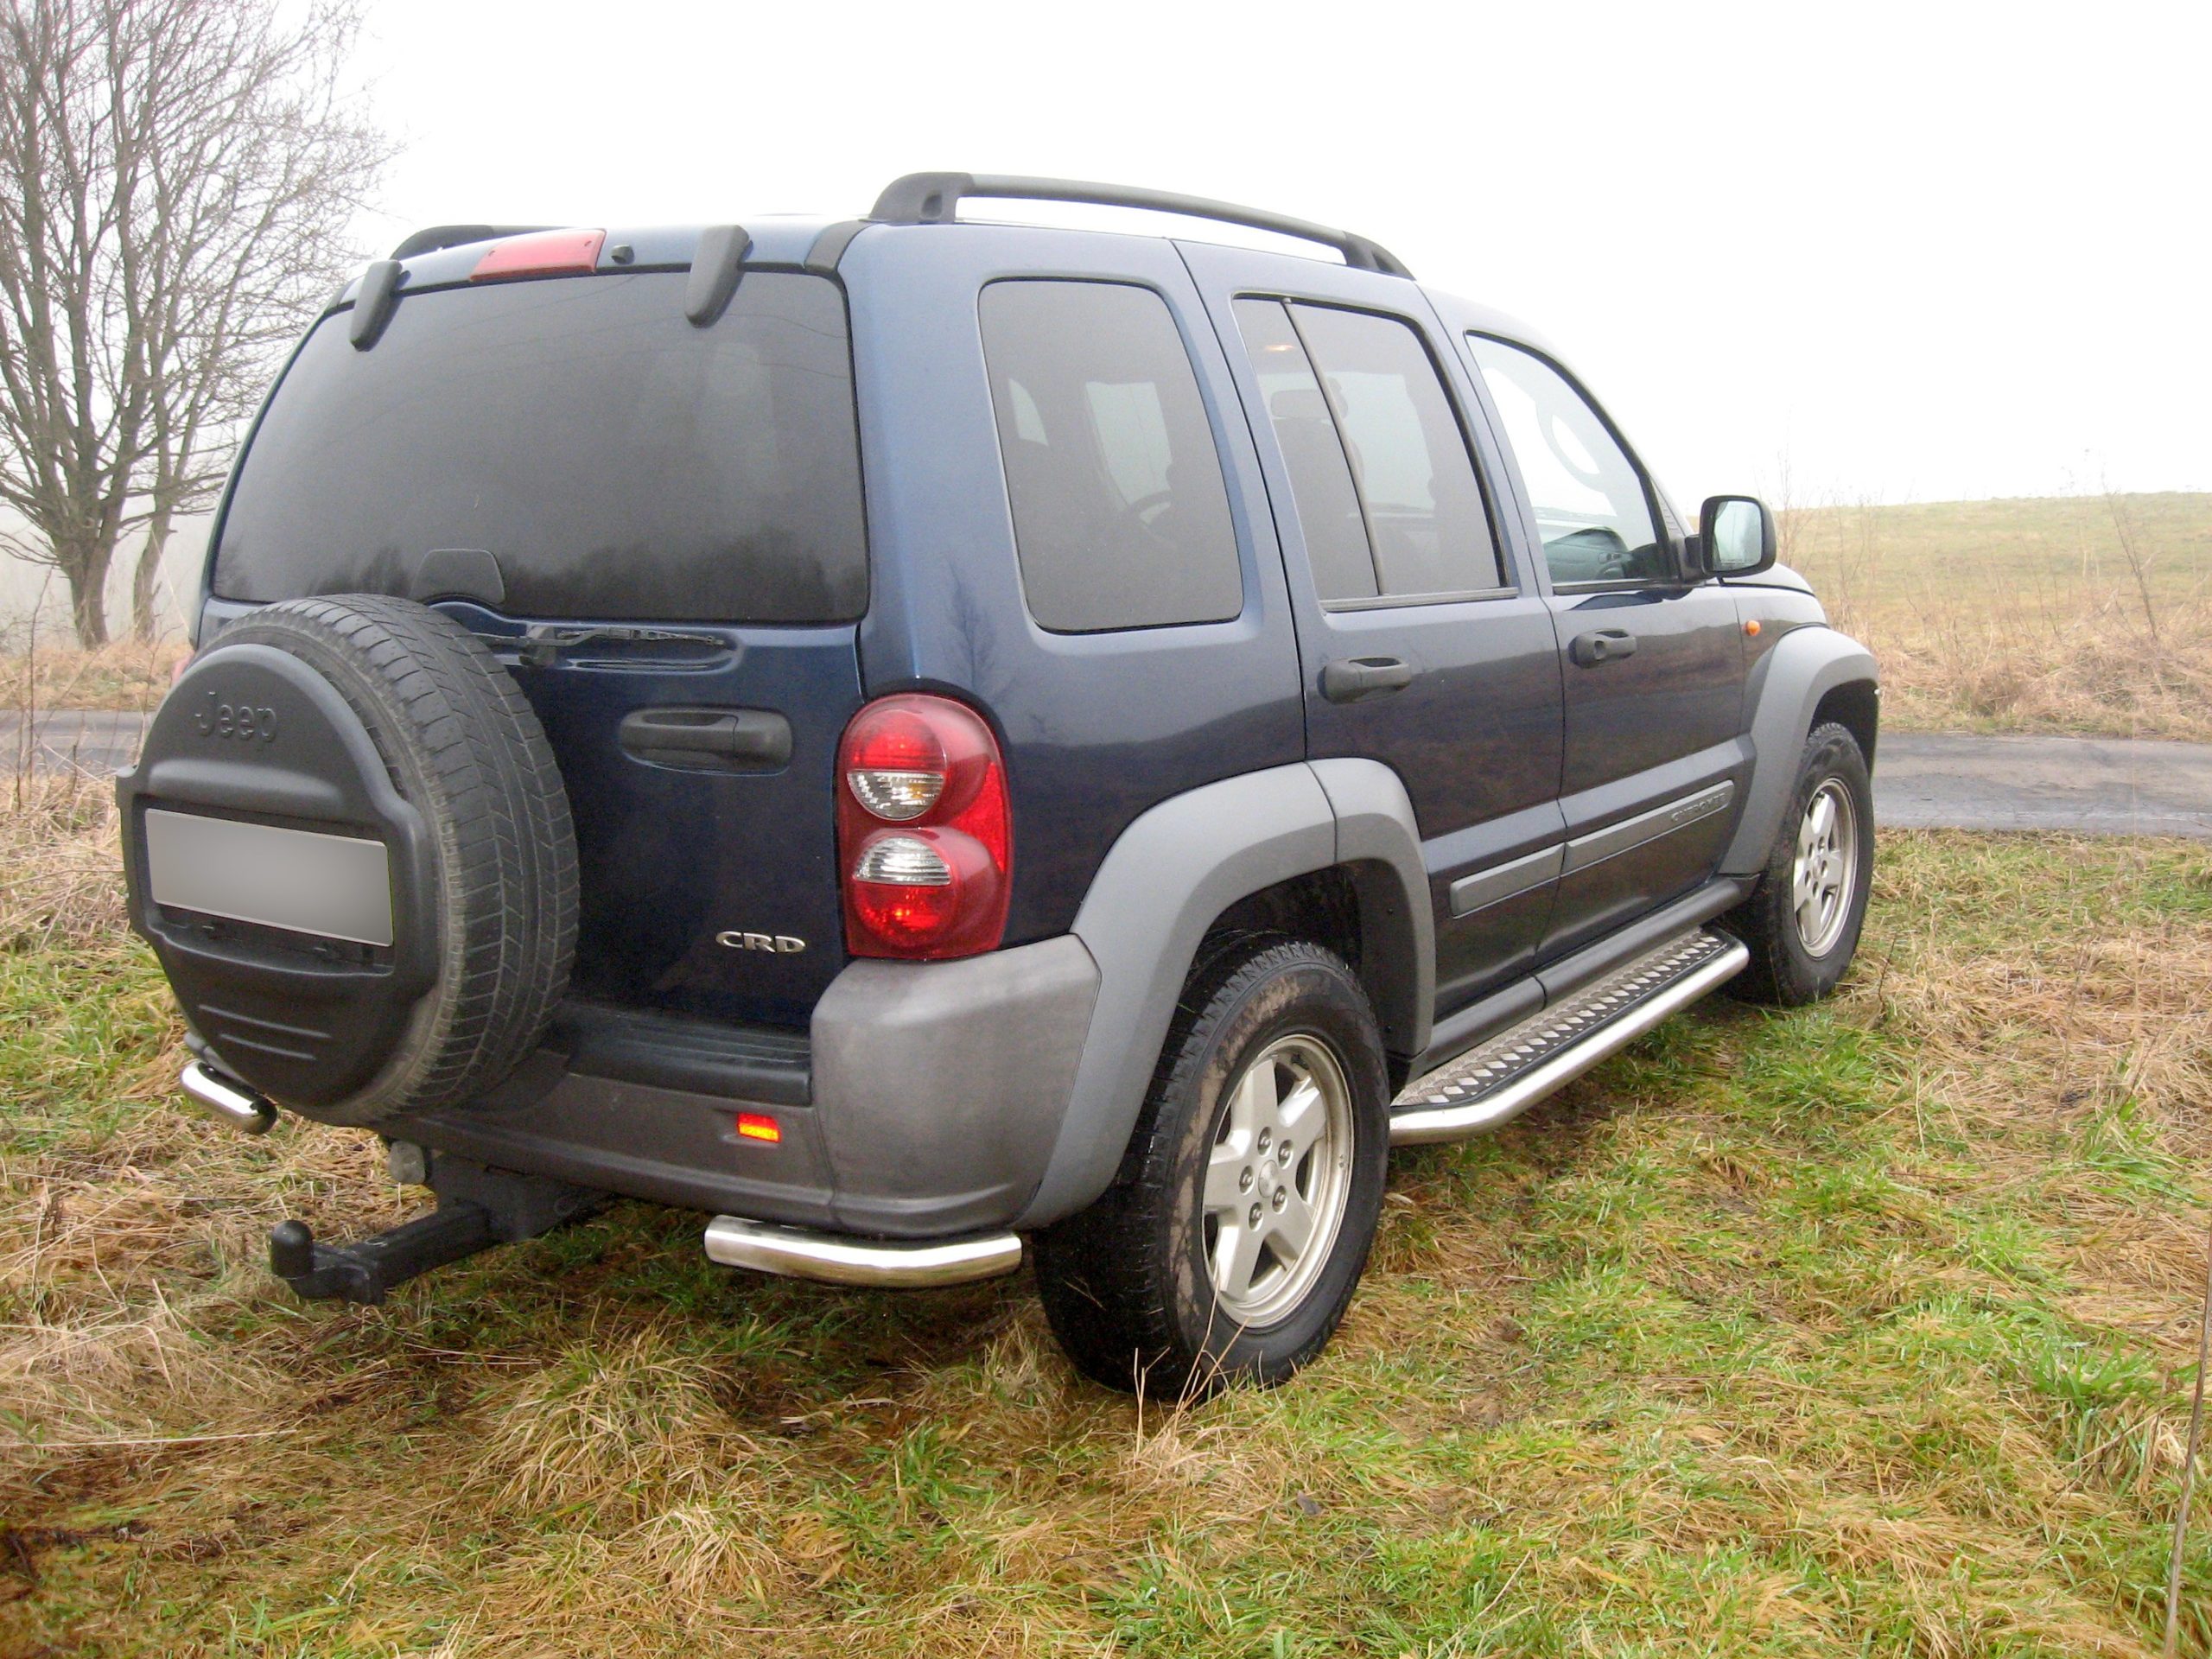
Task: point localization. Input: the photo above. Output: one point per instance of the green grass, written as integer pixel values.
(1865, 1329)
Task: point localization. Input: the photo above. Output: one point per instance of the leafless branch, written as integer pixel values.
(175, 180)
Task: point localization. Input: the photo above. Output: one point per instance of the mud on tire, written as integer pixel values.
(1129, 1284)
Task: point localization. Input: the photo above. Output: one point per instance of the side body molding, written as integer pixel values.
(1170, 874)
(1787, 686)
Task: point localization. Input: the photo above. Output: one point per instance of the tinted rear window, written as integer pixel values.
(616, 460)
(1121, 518)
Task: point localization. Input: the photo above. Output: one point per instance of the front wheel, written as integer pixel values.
(1230, 1243)
(1802, 922)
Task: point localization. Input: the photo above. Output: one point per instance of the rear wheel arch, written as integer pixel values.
(1328, 846)
(1359, 912)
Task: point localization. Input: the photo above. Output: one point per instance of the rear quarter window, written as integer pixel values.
(1120, 517)
(615, 460)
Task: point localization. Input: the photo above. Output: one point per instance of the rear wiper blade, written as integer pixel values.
(541, 644)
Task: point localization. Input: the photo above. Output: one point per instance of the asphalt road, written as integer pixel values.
(97, 742)
(2111, 786)
(2094, 786)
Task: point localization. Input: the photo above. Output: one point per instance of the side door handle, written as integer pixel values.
(1603, 647)
(1350, 678)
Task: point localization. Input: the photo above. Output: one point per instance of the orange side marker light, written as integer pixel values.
(758, 1126)
(1752, 627)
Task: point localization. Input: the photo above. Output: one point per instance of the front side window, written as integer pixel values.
(1385, 487)
(1592, 508)
(1120, 517)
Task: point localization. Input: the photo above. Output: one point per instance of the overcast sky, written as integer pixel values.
(1919, 253)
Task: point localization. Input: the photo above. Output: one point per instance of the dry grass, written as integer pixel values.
(129, 674)
(2089, 614)
(58, 882)
(1865, 1329)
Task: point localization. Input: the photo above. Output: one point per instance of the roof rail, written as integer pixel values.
(458, 236)
(935, 199)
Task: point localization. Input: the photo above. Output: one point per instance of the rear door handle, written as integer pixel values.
(721, 739)
(1603, 647)
(1350, 678)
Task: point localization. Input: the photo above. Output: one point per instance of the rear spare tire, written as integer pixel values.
(348, 842)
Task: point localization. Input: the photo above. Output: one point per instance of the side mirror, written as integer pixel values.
(1737, 534)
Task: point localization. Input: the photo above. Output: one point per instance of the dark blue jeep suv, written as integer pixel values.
(924, 739)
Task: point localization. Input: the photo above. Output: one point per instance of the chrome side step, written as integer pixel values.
(1499, 1079)
(836, 1259)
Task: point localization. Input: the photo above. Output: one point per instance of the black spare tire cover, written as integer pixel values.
(348, 842)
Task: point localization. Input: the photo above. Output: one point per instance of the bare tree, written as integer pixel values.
(175, 180)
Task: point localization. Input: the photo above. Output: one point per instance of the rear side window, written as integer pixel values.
(1312, 452)
(616, 461)
(1425, 513)
(1363, 419)
(1121, 518)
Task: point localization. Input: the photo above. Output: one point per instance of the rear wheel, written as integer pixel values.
(1231, 1242)
(1802, 922)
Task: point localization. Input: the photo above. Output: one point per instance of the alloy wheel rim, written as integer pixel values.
(1826, 867)
(1278, 1180)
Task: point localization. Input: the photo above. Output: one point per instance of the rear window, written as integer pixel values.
(614, 459)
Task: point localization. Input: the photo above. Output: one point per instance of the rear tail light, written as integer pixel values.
(924, 833)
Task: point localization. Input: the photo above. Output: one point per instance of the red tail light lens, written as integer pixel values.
(541, 253)
(924, 831)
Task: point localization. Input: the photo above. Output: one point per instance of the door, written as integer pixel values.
(1651, 657)
(1422, 643)
(659, 526)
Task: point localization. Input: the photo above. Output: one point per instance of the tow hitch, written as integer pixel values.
(477, 1208)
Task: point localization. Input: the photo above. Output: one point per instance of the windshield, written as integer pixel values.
(615, 460)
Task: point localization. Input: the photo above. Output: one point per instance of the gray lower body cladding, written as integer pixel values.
(938, 1090)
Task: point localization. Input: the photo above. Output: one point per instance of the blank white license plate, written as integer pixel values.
(334, 885)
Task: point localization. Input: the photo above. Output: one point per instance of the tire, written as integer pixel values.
(1129, 1284)
(1801, 942)
(465, 750)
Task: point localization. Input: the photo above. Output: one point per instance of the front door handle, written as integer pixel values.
(1603, 647)
(1350, 678)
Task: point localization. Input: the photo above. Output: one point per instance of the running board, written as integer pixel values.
(1499, 1079)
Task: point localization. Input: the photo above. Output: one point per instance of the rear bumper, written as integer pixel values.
(931, 1099)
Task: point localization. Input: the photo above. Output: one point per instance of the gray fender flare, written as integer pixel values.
(1178, 867)
(1787, 686)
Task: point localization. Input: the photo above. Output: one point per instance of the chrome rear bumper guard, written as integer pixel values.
(835, 1259)
(226, 1101)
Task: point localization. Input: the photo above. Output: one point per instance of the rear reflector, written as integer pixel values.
(758, 1126)
(541, 253)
